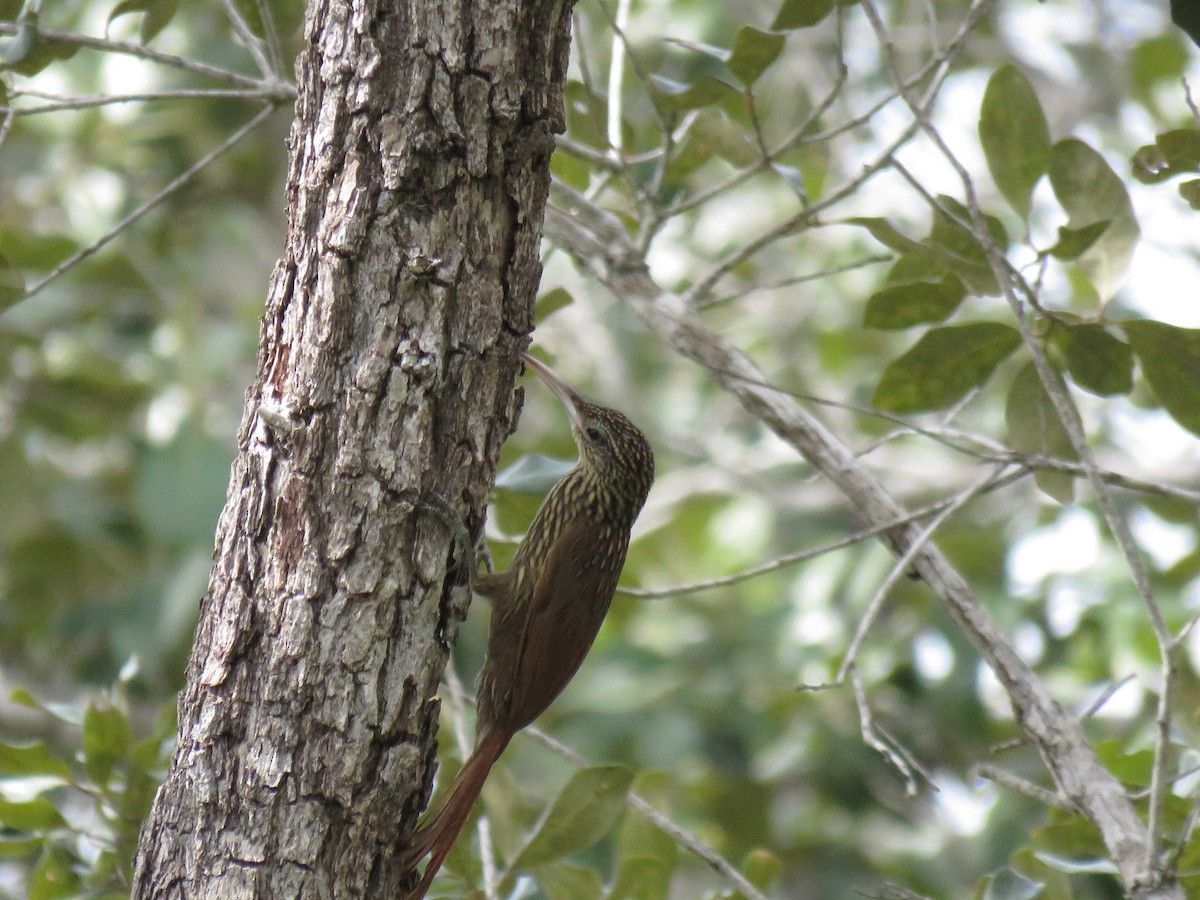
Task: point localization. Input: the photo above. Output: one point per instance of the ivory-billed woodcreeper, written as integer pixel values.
(549, 604)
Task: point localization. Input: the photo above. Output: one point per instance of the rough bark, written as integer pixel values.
(419, 170)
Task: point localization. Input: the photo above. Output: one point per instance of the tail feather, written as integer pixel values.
(436, 837)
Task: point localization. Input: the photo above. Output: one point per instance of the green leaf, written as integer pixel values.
(106, 739)
(571, 169)
(587, 116)
(64, 712)
(1014, 135)
(914, 302)
(552, 301)
(647, 856)
(1055, 885)
(642, 878)
(801, 14)
(712, 51)
(14, 848)
(1170, 359)
(1009, 885)
(12, 285)
(1187, 17)
(181, 485)
(943, 366)
(1190, 191)
(950, 247)
(675, 97)
(54, 877)
(1034, 427)
(1133, 769)
(960, 250)
(20, 45)
(1098, 361)
(1073, 242)
(35, 815)
(157, 14)
(1172, 153)
(716, 133)
(753, 50)
(29, 51)
(34, 759)
(1090, 192)
(761, 868)
(584, 812)
(1158, 59)
(891, 237)
(561, 881)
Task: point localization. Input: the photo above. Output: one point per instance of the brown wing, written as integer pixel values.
(570, 599)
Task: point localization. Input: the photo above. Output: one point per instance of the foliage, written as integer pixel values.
(949, 241)
(74, 820)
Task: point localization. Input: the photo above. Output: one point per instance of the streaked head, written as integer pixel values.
(612, 449)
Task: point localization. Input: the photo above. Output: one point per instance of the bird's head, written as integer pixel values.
(612, 450)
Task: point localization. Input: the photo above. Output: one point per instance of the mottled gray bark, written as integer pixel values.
(419, 169)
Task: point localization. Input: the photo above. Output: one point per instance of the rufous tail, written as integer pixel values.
(438, 834)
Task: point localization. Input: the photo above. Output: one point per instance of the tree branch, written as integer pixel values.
(598, 240)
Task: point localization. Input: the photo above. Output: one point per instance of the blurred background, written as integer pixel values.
(122, 379)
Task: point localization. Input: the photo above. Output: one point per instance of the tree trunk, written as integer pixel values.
(418, 177)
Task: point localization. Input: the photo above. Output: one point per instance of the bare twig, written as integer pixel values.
(274, 49)
(616, 77)
(1007, 779)
(790, 559)
(90, 101)
(1187, 94)
(1105, 695)
(797, 279)
(872, 739)
(176, 183)
(253, 44)
(6, 125)
(901, 567)
(129, 48)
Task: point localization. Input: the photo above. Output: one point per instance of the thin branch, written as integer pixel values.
(1069, 416)
(871, 738)
(600, 242)
(1186, 833)
(797, 279)
(1187, 94)
(141, 51)
(274, 48)
(790, 559)
(983, 449)
(176, 183)
(901, 568)
(680, 835)
(7, 124)
(253, 44)
(793, 224)
(90, 101)
(1020, 785)
(1105, 695)
(616, 77)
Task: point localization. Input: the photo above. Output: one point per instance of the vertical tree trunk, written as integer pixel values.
(418, 177)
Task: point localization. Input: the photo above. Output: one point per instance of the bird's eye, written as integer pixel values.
(595, 434)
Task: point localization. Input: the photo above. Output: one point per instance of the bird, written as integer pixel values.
(548, 605)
